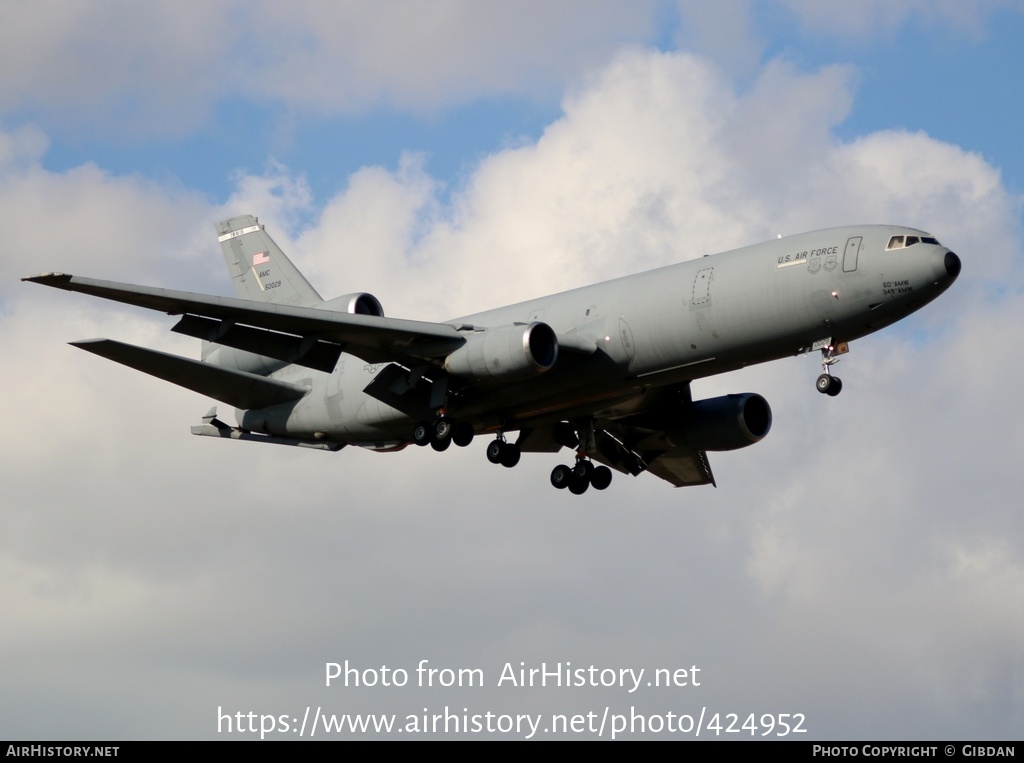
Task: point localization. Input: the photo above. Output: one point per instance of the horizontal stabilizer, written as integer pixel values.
(236, 388)
(234, 433)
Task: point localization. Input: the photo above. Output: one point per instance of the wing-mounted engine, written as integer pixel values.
(357, 303)
(505, 354)
(723, 423)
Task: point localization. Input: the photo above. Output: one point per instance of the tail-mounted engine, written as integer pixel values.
(357, 303)
(505, 353)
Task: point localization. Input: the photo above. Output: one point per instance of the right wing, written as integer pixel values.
(634, 443)
(641, 441)
(633, 450)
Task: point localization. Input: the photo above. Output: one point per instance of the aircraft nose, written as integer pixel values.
(952, 263)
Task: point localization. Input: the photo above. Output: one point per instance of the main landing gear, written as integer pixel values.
(581, 476)
(578, 478)
(827, 384)
(500, 451)
(442, 433)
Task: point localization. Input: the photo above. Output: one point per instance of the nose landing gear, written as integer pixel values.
(827, 384)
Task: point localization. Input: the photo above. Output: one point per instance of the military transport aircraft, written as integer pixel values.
(604, 369)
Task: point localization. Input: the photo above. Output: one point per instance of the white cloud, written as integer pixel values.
(88, 219)
(159, 69)
(103, 66)
(345, 57)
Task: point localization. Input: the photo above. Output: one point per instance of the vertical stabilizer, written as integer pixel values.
(258, 267)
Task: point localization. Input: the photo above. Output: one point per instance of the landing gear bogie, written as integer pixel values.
(505, 453)
(581, 476)
(443, 430)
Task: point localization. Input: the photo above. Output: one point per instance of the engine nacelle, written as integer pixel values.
(724, 423)
(505, 353)
(357, 303)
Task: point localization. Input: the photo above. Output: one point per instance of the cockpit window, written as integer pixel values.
(901, 242)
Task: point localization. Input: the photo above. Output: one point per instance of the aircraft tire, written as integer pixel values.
(462, 434)
(583, 470)
(824, 384)
(578, 486)
(440, 445)
(495, 451)
(511, 455)
(601, 478)
(443, 429)
(836, 388)
(560, 476)
(421, 435)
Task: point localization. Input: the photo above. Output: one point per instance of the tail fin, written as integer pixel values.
(258, 267)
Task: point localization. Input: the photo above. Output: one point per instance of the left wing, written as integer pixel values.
(314, 335)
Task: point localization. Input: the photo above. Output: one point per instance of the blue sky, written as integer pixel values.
(862, 565)
(923, 74)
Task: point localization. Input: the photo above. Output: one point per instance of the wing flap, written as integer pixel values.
(305, 351)
(639, 442)
(374, 339)
(236, 388)
(682, 467)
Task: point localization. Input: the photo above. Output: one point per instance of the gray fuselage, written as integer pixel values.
(673, 324)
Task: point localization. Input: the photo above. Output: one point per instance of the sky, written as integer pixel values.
(861, 569)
